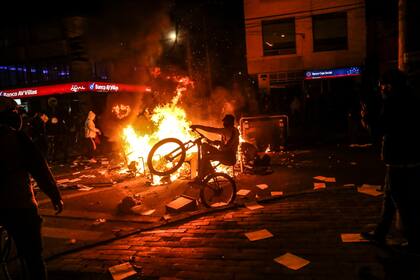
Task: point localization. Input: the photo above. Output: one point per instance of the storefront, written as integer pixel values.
(64, 96)
(331, 96)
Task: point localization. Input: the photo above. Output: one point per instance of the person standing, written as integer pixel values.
(401, 155)
(19, 158)
(91, 133)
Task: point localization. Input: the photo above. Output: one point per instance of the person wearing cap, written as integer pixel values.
(19, 158)
(401, 154)
(227, 146)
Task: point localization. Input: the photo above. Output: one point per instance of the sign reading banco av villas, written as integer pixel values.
(75, 87)
(332, 73)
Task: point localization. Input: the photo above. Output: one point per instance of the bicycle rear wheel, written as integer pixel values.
(218, 190)
(166, 156)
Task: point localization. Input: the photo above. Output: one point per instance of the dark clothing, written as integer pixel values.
(24, 226)
(18, 158)
(401, 153)
(399, 126)
(404, 184)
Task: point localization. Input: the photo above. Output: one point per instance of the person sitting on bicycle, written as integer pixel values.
(228, 146)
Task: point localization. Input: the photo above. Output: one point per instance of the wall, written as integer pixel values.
(258, 10)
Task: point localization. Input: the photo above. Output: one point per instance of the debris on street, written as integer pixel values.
(122, 271)
(292, 261)
(253, 205)
(352, 237)
(258, 235)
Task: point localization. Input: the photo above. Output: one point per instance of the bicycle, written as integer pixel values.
(167, 156)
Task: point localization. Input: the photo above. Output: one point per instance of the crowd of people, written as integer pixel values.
(61, 137)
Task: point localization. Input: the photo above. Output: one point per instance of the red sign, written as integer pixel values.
(72, 87)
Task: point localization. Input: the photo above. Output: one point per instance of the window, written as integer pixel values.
(330, 32)
(279, 37)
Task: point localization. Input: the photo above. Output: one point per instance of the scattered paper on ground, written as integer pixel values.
(148, 212)
(253, 205)
(258, 235)
(74, 180)
(369, 189)
(84, 188)
(218, 204)
(105, 162)
(75, 173)
(179, 202)
(88, 176)
(62, 181)
(292, 261)
(276, 193)
(318, 186)
(325, 179)
(352, 237)
(262, 186)
(243, 192)
(122, 271)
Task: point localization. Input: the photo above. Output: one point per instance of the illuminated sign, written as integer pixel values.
(76, 87)
(332, 73)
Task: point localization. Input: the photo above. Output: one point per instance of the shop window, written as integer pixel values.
(279, 37)
(330, 32)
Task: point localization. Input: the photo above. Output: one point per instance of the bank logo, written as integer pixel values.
(92, 86)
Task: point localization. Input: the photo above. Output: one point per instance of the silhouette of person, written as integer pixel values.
(228, 146)
(401, 155)
(19, 158)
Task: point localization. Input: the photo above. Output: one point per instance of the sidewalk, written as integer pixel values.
(215, 247)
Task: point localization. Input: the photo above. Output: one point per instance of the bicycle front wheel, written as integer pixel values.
(166, 156)
(218, 190)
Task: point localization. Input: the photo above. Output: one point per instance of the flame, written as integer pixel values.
(121, 111)
(170, 121)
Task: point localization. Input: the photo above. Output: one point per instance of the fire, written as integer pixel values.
(121, 111)
(170, 121)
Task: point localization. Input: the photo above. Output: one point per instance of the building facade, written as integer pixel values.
(306, 55)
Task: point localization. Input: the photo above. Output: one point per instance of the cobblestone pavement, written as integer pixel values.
(215, 246)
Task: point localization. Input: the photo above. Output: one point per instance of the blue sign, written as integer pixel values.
(332, 73)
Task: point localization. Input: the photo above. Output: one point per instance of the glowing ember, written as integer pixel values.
(121, 111)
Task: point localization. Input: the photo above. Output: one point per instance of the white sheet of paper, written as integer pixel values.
(318, 186)
(276, 193)
(219, 204)
(74, 180)
(84, 188)
(325, 179)
(243, 192)
(258, 235)
(352, 237)
(369, 190)
(62, 181)
(376, 187)
(253, 206)
(148, 212)
(75, 173)
(122, 271)
(292, 261)
(262, 186)
(105, 162)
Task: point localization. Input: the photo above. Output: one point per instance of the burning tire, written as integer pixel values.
(166, 156)
(219, 189)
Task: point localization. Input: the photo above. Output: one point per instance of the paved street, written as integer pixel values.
(79, 224)
(215, 247)
(203, 244)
